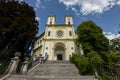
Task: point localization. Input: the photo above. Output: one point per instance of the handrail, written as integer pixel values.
(33, 63)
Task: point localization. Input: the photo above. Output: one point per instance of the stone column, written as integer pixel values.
(41, 59)
(14, 63)
(24, 68)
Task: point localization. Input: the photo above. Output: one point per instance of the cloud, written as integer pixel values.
(21, 0)
(47, 0)
(76, 12)
(111, 35)
(90, 6)
(37, 4)
(43, 7)
(37, 18)
(118, 2)
(69, 2)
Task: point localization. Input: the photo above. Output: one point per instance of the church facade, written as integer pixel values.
(58, 40)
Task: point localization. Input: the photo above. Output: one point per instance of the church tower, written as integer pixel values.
(68, 20)
(51, 20)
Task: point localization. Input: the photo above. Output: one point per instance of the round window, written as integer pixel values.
(59, 33)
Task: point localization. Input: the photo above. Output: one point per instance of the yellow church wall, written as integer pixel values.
(65, 30)
(50, 51)
(38, 42)
(36, 53)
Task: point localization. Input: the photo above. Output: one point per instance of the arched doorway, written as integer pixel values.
(59, 51)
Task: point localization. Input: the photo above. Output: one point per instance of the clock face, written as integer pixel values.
(59, 33)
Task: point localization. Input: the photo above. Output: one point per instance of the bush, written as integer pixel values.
(104, 75)
(82, 64)
(85, 67)
(74, 59)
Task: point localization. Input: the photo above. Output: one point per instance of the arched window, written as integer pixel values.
(72, 48)
(70, 33)
(40, 41)
(48, 33)
(50, 22)
(46, 48)
(68, 20)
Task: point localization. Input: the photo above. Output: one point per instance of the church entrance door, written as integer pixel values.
(59, 52)
(59, 57)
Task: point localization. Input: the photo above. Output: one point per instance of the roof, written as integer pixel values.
(40, 35)
(67, 16)
(59, 24)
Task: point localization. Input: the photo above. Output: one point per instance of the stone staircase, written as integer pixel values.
(53, 70)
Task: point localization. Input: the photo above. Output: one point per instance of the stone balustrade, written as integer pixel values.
(13, 64)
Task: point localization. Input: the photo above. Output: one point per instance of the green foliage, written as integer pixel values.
(94, 58)
(104, 76)
(18, 28)
(112, 59)
(82, 63)
(73, 58)
(92, 38)
(88, 65)
(115, 45)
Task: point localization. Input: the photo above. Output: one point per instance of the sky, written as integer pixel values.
(105, 13)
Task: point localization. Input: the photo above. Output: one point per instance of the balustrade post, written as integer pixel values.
(14, 63)
(96, 75)
(24, 68)
(41, 59)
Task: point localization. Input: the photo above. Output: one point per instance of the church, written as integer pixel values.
(58, 40)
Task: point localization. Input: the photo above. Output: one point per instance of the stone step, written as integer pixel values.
(57, 61)
(56, 74)
(52, 76)
(57, 68)
(53, 73)
(56, 65)
(47, 79)
(21, 77)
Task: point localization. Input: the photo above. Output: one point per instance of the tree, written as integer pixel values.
(18, 27)
(95, 60)
(92, 38)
